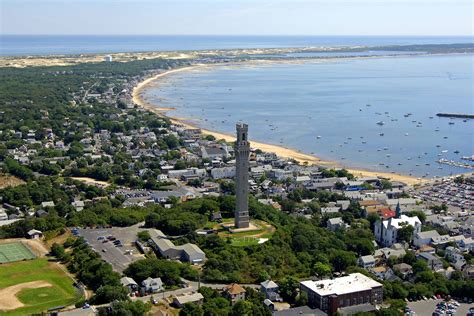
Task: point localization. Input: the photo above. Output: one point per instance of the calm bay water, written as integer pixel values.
(18, 45)
(292, 104)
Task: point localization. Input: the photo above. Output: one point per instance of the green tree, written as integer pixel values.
(405, 233)
(191, 309)
(109, 293)
(289, 289)
(242, 308)
(322, 270)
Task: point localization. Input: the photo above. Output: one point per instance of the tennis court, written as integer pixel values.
(16, 251)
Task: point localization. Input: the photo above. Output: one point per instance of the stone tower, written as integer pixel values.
(242, 152)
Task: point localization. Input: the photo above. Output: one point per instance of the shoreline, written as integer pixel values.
(280, 151)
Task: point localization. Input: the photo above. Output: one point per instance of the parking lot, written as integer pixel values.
(426, 308)
(116, 245)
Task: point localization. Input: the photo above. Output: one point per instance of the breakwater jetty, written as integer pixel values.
(456, 115)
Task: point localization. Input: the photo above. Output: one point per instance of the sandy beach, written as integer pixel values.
(279, 150)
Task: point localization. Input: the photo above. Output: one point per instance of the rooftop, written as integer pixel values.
(355, 282)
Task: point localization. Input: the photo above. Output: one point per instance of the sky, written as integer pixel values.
(238, 17)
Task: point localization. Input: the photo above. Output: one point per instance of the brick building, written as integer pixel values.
(354, 289)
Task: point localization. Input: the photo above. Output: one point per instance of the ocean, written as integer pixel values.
(21, 45)
(331, 108)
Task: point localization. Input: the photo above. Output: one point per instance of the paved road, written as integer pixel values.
(192, 286)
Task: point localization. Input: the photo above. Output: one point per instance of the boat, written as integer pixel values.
(406, 134)
(380, 123)
(456, 151)
(451, 123)
(318, 137)
(444, 151)
(381, 134)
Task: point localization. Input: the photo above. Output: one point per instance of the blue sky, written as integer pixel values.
(238, 17)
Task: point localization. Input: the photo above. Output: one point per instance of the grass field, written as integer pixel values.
(59, 290)
(16, 251)
(244, 241)
(246, 238)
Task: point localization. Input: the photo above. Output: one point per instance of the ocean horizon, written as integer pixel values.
(24, 45)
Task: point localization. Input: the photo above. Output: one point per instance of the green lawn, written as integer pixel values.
(61, 293)
(244, 241)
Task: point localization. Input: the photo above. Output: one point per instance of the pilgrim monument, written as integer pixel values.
(242, 152)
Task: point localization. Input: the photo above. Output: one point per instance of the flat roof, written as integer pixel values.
(355, 282)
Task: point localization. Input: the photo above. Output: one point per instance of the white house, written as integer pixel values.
(424, 238)
(334, 224)
(224, 172)
(366, 261)
(34, 234)
(270, 289)
(152, 285)
(386, 232)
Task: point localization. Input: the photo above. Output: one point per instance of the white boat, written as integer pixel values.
(318, 137)
(380, 123)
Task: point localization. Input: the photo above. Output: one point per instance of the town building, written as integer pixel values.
(335, 223)
(424, 238)
(129, 284)
(270, 290)
(195, 298)
(331, 294)
(187, 253)
(433, 262)
(152, 285)
(235, 292)
(386, 231)
(34, 234)
(366, 262)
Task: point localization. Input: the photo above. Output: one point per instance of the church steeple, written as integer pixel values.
(398, 210)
